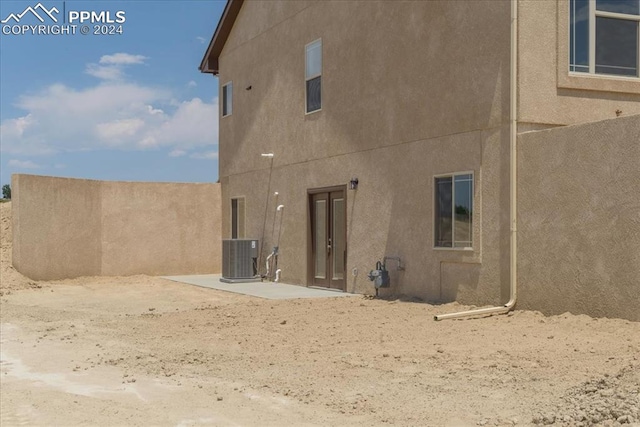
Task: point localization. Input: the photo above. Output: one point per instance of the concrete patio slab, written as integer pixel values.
(268, 290)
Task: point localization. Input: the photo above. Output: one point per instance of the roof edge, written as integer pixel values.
(209, 63)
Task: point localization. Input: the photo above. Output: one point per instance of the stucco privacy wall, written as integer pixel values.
(579, 219)
(73, 227)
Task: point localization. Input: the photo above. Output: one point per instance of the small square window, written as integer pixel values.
(227, 99)
(454, 211)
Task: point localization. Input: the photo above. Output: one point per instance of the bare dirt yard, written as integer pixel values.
(142, 351)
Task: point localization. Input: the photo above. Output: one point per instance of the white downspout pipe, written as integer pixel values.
(513, 132)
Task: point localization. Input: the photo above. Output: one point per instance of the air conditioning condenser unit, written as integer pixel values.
(240, 260)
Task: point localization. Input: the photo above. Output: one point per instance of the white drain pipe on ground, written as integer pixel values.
(513, 131)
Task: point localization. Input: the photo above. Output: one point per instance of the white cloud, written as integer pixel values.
(15, 128)
(202, 40)
(192, 84)
(111, 67)
(114, 113)
(192, 124)
(119, 130)
(105, 73)
(152, 110)
(122, 59)
(177, 153)
(205, 155)
(23, 164)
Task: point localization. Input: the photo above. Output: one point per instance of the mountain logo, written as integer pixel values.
(34, 11)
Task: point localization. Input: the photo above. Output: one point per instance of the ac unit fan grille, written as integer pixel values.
(239, 258)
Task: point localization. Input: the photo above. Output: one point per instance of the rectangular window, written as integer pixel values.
(227, 99)
(313, 76)
(604, 37)
(454, 211)
(237, 218)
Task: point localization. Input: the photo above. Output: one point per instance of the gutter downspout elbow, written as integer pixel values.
(513, 165)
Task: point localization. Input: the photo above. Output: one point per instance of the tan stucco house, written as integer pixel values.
(488, 145)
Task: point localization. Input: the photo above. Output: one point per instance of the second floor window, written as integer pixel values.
(313, 76)
(604, 37)
(227, 99)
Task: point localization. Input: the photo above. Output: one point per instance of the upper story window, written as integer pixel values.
(313, 76)
(227, 99)
(604, 37)
(454, 210)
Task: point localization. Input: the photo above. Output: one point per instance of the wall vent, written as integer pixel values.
(239, 259)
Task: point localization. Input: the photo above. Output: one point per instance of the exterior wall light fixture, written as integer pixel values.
(353, 184)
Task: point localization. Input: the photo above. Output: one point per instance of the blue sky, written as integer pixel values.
(130, 106)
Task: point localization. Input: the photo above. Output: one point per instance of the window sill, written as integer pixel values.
(598, 82)
(312, 112)
(436, 248)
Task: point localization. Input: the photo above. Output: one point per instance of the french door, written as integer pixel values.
(328, 238)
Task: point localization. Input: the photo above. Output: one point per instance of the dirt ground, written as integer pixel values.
(145, 351)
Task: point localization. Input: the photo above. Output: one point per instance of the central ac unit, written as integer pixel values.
(239, 260)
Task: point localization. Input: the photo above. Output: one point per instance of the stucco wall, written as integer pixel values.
(73, 227)
(56, 226)
(579, 219)
(383, 79)
(547, 94)
(391, 213)
(410, 90)
(393, 115)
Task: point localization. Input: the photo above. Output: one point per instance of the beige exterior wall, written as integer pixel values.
(72, 227)
(548, 95)
(56, 227)
(392, 116)
(410, 90)
(579, 219)
(383, 83)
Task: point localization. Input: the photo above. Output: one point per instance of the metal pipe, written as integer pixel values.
(513, 132)
(278, 271)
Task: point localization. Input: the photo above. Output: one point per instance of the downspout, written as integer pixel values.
(513, 131)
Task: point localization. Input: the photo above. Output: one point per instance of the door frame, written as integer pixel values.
(310, 261)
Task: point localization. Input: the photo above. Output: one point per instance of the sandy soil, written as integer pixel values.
(145, 351)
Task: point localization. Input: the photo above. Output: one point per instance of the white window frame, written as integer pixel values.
(306, 78)
(593, 14)
(227, 100)
(453, 198)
